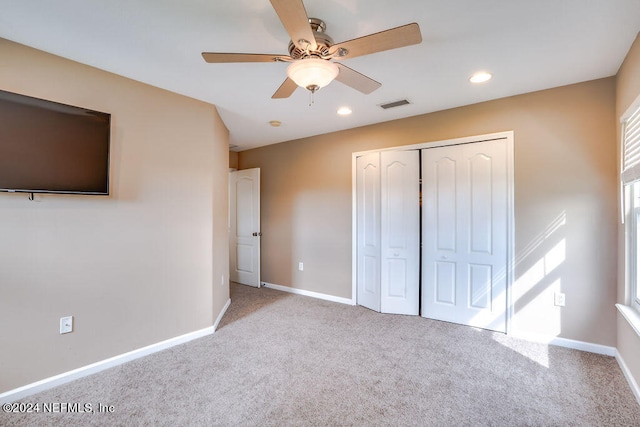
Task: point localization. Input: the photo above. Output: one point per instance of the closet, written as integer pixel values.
(434, 230)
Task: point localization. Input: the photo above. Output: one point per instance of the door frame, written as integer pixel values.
(506, 135)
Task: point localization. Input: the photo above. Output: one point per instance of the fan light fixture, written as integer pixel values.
(312, 73)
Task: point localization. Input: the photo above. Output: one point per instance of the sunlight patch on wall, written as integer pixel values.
(533, 291)
(554, 257)
(534, 312)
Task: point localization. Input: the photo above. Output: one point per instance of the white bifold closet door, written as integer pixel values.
(464, 234)
(388, 231)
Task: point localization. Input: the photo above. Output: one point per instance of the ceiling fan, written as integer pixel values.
(314, 57)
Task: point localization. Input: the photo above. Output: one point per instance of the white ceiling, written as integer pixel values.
(527, 45)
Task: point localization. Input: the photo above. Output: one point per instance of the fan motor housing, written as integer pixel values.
(323, 42)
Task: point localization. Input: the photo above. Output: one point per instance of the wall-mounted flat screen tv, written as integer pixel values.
(48, 147)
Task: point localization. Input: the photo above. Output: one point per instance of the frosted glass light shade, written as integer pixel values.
(312, 73)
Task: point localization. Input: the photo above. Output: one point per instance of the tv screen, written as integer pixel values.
(47, 147)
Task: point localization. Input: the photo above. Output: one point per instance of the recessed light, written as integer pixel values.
(344, 111)
(480, 77)
(275, 123)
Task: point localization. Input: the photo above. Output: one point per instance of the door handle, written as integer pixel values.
(257, 234)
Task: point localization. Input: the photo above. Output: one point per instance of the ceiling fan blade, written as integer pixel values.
(285, 90)
(356, 80)
(393, 38)
(295, 20)
(217, 58)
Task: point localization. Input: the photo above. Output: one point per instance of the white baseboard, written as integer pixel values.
(566, 342)
(47, 383)
(312, 294)
(627, 374)
(222, 312)
(584, 346)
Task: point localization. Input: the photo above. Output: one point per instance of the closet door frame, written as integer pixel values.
(506, 135)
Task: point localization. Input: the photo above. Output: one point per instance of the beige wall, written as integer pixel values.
(233, 160)
(627, 90)
(137, 267)
(219, 239)
(565, 203)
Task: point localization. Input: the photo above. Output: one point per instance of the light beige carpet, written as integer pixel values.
(280, 359)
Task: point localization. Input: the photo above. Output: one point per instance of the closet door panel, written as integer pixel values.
(400, 231)
(464, 234)
(368, 230)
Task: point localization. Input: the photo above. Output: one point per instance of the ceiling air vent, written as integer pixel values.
(394, 104)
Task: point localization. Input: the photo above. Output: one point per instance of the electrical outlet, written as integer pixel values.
(300, 266)
(559, 299)
(66, 324)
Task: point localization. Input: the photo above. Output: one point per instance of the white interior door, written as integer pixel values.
(244, 236)
(368, 230)
(465, 223)
(400, 232)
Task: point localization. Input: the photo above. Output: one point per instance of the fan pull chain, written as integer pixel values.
(311, 100)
